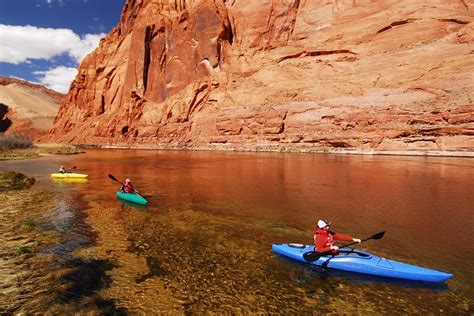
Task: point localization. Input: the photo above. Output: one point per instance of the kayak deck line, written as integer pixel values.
(359, 261)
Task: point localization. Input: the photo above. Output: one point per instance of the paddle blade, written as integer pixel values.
(311, 256)
(377, 236)
(112, 177)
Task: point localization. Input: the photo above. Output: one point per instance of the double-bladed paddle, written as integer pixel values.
(113, 178)
(312, 256)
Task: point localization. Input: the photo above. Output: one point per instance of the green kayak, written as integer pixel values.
(131, 197)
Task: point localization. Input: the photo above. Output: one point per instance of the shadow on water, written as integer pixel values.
(308, 273)
(155, 268)
(83, 281)
(80, 278)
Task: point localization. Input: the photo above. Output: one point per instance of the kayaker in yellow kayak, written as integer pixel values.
(64, 170)
(324, 239)
(127, 187)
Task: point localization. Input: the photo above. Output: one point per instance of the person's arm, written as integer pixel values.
(122, 187)
(342, 237)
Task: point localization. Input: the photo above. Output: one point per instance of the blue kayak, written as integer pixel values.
(131, 197)
(359, 261)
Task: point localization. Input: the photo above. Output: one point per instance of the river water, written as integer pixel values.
(203, 244)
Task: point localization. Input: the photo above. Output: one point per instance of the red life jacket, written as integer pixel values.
(328, 239)
(324, 240)
(128, 188)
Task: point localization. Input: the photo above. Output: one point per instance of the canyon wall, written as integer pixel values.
(360, 76)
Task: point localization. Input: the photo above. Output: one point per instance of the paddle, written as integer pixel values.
(69, 169)
(113, 178)
(312, 256)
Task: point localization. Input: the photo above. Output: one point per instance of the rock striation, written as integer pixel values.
(360, 76)
(27, 109)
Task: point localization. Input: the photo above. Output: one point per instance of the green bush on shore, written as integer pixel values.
(15, 142)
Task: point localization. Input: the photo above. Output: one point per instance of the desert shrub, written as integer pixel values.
(15, 142)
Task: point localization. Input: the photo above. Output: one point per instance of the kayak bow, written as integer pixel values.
(359, 261)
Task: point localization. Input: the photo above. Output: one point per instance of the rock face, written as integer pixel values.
(27, 109)
(330, 75)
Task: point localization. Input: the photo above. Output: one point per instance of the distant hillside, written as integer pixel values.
(26, 108)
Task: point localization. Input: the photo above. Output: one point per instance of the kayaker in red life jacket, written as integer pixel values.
(324, 238)
(127, 187)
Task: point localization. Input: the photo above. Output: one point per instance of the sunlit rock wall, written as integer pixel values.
(348, 76)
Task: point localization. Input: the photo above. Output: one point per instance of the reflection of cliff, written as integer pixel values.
(26, 108)
(286, 75)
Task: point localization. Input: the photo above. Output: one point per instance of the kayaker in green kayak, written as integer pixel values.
(127, 187)
(324, 239)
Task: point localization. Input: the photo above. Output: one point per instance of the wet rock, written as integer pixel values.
(11, 180)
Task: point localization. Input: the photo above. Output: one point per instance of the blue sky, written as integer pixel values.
(43, 41)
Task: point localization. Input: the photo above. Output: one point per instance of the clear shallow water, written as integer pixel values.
(204, 241)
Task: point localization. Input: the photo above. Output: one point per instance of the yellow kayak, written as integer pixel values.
(68, 175)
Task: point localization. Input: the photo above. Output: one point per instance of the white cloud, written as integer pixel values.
(58, 78)
(18, 44)
(88, 43)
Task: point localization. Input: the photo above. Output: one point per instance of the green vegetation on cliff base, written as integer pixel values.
(11, 180)
(17, 147)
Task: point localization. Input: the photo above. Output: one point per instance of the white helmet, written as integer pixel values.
(323, 223)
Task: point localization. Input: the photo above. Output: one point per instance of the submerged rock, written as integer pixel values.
(11, 180)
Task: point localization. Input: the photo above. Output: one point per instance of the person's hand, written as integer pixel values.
(334, 248)
(356, 240)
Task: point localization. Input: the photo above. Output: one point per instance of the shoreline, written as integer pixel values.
(55, 149)
(428, 153)
(38, 151)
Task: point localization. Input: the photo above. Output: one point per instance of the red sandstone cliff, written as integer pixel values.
(25, 108)
(357, 75)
